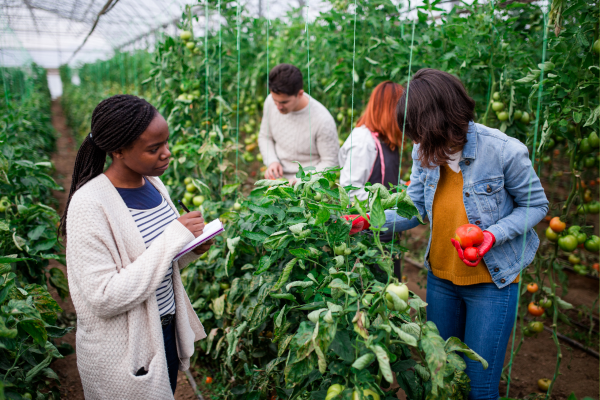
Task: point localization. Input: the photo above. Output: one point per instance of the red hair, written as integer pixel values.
(380, 115)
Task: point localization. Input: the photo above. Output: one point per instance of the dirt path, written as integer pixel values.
(66, 368)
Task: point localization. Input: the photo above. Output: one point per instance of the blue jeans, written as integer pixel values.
(171, 353)
(480, 315)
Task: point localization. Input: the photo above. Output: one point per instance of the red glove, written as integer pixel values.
(482, 249)
(358, 223)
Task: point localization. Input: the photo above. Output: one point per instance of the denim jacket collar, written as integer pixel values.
(470, 149)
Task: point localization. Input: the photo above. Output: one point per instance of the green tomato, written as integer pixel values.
(527, 332)
(318, 197)
(190, 188)
(237, 206)
(567, 243)
(340, 117)
(594, 207)
(551, 235)
(369, 84)
(365, 393)
(334, 390)
(592, 244)
(198, 200)
(185, 35)
(190, 45)
(498, 106)
(496, 96)
(581, 237)
(584, 146)
(593, 140)
(340, 250)
(525, 118)
(502, 116)
(545, 303)
(536, 326)
(596, 46)
(573, 259)
(259, 157)
(589, 161)
(187, 180)
(4, 204)
(517, 115)
(224, 285)
(550, 143)
(187, 196)
(400, 290)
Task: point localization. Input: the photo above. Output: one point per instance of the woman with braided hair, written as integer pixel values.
(135, 325)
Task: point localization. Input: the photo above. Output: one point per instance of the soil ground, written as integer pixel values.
(66, 368)
(536, 359)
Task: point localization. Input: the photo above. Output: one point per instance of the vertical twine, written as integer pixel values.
(237, 126)
(352, 79)
(206, 72)
(412, 41)
(308, 68)
(535, 135)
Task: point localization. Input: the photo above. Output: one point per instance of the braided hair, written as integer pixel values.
(116, 123)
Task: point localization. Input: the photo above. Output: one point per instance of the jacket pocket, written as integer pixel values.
(489, 195)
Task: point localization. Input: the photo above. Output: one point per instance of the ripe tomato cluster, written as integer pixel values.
(469, 236)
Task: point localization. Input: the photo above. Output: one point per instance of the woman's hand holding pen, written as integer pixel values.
(193, 221)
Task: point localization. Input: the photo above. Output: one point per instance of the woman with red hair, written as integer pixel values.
(371, 152)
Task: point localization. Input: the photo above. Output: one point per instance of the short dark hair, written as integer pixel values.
(285, 79)
(438, 115)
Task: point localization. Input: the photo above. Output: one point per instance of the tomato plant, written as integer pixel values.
(28, 239)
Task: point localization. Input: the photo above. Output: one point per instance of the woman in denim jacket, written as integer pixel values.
(456, 159)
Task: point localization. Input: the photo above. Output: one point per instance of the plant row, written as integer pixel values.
(28, 239)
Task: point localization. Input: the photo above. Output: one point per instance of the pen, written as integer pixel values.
(183, 206)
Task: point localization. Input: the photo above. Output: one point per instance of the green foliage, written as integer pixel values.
(307, 316)
(28, 238)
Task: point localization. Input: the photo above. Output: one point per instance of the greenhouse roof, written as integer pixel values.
(51, 32)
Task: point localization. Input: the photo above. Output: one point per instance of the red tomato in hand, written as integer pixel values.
(471, 254)
(469, 235)
(534, 309)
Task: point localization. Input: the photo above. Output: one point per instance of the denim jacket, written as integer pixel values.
(501, 194)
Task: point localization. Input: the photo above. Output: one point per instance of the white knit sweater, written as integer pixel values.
(307, 136)
(113, 279)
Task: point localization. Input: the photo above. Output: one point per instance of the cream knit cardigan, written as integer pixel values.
(113, 280)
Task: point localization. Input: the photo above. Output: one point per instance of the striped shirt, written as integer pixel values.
(152, 222)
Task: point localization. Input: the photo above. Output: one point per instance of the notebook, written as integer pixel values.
(211, 230)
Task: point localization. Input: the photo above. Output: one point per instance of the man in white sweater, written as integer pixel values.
(295, 127)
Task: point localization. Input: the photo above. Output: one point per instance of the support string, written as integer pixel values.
(412, 41)
(535, 135)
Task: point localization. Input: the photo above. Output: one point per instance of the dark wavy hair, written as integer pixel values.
(438, 115)
(285, 79)
(116, 123)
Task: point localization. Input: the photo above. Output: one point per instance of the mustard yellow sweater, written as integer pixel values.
(448, 214)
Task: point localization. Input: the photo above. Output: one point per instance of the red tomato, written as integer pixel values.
(469, 235)
(209, 380)
(557, 225)
(595, 266)
(471, 254)
(407, 183)
(534, 309)
(547, 218)
(532, 287)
